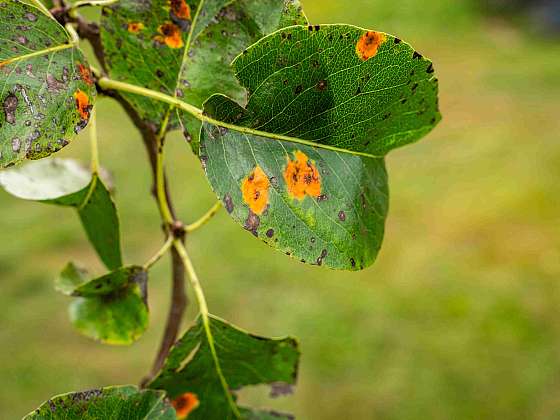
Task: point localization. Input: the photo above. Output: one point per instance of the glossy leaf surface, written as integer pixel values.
(245, 359)
(65, 182)
(46, 88)
(301, 166)
(111, 403)
(184, 48)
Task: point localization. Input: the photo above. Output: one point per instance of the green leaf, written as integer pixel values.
(111, 403)
(46, 89)
(184, 48)
(111, 308)
(244, 359)
(301, 166)
(65, 182)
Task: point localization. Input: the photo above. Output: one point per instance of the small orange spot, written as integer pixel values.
(135, 27)
(171, 35)
(83, 105)
(85, 74)
(181, 9)
(255, 190)
(369, 44)
(185, 404)
(302, 177)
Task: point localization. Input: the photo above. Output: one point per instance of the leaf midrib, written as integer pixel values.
(46, 51)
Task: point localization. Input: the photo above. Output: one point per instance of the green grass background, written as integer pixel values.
(458, 319)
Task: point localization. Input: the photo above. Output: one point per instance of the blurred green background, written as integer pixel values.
(458, 319)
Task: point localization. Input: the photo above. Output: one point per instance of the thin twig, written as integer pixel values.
(179, 301)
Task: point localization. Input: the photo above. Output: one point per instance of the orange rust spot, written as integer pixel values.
(302, 177)
(82, 103)
(85, 74)
(255, 190)
(135, 27)
(369, 44)
(185, 404)
(181, 9)
(171, 35)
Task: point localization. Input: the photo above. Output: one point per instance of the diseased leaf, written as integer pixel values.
(192, 381)
(46, 88)
(65, 182)
(111, 403)
(301, 166)
(112, 308)
(184, 48)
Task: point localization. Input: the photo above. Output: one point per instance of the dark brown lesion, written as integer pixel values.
(10, 107)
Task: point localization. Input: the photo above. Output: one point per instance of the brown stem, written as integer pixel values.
(90, 31)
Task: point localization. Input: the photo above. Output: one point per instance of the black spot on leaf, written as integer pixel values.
(322, 257)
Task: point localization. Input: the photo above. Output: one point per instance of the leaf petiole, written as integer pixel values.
(204, 219)
(203, 308)
(85, 3)
(158, 255)
(110, 84)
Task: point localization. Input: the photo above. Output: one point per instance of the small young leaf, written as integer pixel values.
(184, 48)
(114, 403)
(65, 182)
(112, 308)
(191, 379)
(71, 277)
(46, 88)
(301, 167)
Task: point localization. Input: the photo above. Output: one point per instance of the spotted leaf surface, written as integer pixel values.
(46, 89)
(184, 47)
(193, 383)
(111, 308)
(301, 165)
(114, 403)
(65, 182)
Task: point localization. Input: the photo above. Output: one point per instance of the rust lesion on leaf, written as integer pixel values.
(85, 74)
(135, 27)
(369, 43)
(185, 404)
(302, 177)
(82, 104)
(181, 9)
(171, 35)
(255, 190)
